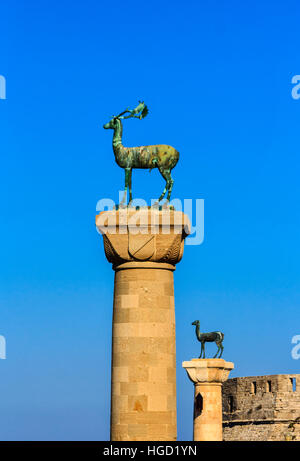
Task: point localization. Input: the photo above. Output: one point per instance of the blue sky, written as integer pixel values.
(216, 76)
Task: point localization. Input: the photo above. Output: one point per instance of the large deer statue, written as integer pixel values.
(158, 156)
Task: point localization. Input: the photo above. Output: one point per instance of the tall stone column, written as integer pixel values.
(208, 376)
(144, 246)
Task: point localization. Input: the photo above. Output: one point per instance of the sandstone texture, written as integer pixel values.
(208, 375)
(144, 248)
(262, 408)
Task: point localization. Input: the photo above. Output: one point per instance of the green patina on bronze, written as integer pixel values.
(214, 336)
(159, 156)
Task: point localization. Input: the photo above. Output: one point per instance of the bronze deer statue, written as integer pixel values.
(158, 156)
(214, 336)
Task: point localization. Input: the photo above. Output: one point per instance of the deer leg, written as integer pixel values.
(164, 174)
(201, 351)
(130, 191)
(204, 350)
(217, 350)
(163, 194)
(222, 348)
(124, 199)
(171, 182)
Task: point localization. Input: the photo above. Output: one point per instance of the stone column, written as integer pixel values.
(208, 376)
(144, 246)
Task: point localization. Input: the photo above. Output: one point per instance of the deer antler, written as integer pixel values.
(122, 113)
(139, 112)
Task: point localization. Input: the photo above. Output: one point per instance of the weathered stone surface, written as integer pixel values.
(143, 235)
(143, 405)
(262, 408)
(208, 376)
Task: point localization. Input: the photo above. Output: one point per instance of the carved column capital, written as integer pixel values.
(152, 235)
(208, 370)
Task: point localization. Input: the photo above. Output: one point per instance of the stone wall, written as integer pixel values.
(262, 408)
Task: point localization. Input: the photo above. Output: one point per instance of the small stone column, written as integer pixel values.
(144, 246)
(208, 376)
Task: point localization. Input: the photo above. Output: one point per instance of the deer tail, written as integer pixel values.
(221, 335)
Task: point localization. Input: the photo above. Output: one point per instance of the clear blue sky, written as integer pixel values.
(217, 78)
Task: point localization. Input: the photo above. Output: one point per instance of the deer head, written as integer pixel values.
(196, 322)
(112, 124)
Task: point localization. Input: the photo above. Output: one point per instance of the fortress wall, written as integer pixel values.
(261, 408)
(261, 432)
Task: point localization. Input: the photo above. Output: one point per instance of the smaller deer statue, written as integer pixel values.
(214, 336)
(160, 156)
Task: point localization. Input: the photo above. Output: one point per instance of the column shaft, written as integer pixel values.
(208, 422)
(143, 405)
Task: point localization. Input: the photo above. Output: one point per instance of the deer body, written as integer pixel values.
(214, 336)
(159, 156)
